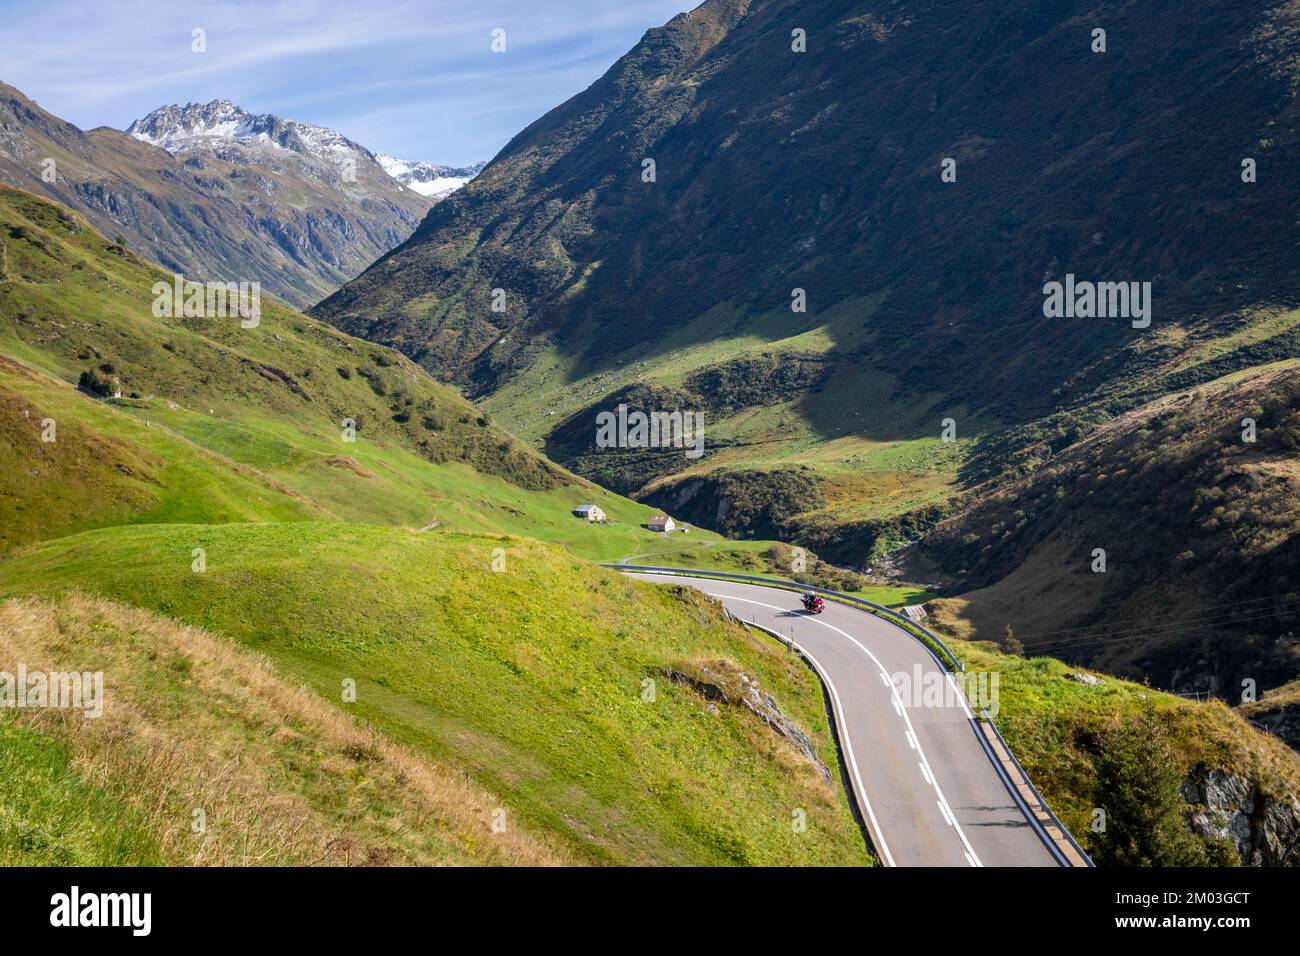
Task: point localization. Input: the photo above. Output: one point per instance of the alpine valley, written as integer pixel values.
(846, 256)
(986, 309)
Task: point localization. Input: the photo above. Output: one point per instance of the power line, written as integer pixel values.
(1132, 634)
(1137, 633)
(1192, 617)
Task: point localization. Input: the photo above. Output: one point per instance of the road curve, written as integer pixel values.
(927, 789)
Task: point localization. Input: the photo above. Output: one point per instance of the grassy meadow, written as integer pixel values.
(509, 658)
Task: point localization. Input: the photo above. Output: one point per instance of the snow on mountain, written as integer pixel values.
(229, 132)
(218, 125)
(436, 182)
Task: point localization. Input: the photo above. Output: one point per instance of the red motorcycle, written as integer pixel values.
(813, 604)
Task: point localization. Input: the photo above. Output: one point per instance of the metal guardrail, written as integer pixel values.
(1055, 820)
(910, 627)
(906, 623)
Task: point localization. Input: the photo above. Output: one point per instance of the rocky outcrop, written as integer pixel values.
(1262, 829)
(742, 503)
(1088, 680)
(720, 683)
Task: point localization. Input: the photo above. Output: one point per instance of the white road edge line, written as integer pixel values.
(961, 696)
(897, 704)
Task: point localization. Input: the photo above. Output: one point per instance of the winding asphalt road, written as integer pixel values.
(927, 789)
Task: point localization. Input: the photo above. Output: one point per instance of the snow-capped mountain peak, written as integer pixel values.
(227, 131)
(436, 182)
(220, 124)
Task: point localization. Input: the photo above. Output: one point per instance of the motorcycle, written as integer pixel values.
(813, 604)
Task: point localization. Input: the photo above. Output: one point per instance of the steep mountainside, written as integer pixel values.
(823, 171)
(298, 208)
(923, 171)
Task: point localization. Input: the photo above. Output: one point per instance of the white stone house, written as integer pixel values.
(590, 512)
(660, 523)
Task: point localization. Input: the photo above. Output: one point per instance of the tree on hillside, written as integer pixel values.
(1010, 644)
(1137, 787)
(93, 384)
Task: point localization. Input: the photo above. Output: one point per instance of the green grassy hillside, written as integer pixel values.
(223, 423)
(109, 467)
(531, 678)
(1180, 782)
(477, 651)
(73, 303)
(205, 754)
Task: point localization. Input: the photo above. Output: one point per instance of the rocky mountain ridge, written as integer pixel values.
(298, 208)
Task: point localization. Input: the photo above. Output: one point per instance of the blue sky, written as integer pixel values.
(415, 79)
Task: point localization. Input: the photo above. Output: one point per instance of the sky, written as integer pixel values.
(418, 80)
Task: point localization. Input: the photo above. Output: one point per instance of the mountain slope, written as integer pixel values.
(1200, 529)
(220, 490)
(777, 170)
(224, 423)
(284, 210)
(74, 304)
(196, 732)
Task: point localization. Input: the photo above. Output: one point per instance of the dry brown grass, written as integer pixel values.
(1032, 598)
(192, 721)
